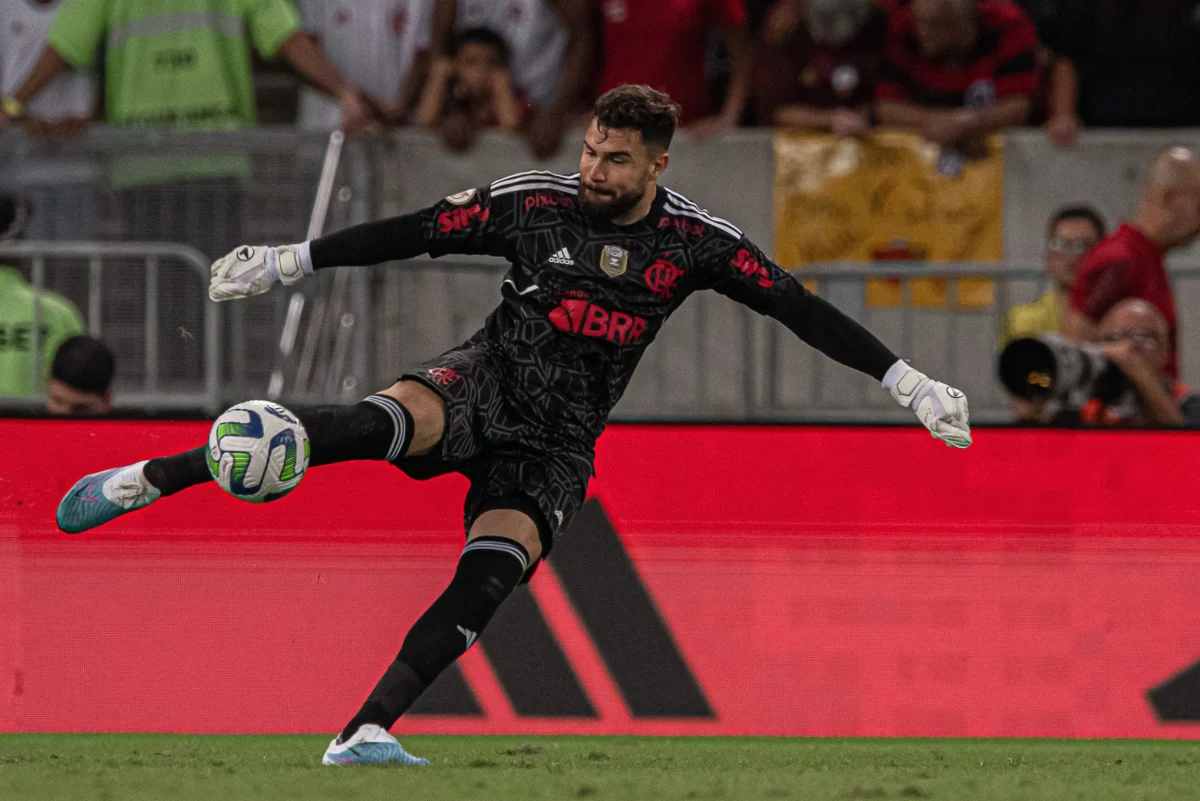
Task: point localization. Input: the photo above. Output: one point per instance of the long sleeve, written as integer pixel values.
(467, 223)
(748, 276)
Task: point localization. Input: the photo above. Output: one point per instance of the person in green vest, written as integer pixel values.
(184, 62)
(185, 65)
(22, 367)
(1072, 232)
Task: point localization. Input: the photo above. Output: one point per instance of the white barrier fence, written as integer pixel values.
(148, 341)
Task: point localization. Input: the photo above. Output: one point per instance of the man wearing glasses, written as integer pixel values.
(1073, 231)
(1136, 338)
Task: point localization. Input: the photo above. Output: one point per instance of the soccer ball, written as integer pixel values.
(258, 451)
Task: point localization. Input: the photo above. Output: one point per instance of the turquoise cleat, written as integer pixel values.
(98, 498)
(370, 745)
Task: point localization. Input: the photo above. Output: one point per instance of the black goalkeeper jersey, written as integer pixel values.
(584, 295)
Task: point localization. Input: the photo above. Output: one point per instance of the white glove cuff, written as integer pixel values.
(271, 264)
(892, 377)
(305, 257)
(289, 263)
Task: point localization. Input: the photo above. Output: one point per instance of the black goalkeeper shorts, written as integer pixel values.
(512, 460)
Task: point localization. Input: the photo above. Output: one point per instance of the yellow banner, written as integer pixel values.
(889, 197)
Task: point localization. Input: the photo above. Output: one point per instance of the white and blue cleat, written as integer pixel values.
(370, 745)
(100, 497)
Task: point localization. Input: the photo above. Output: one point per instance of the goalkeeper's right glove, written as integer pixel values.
(250, 271)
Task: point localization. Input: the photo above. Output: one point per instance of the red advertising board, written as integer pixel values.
(724, 580)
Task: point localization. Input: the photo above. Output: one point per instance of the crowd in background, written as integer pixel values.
(952, 70)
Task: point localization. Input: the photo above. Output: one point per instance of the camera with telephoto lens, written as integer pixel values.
(1049, 368)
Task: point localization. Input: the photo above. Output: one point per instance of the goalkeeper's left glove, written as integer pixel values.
(252, 270)
(941, 409)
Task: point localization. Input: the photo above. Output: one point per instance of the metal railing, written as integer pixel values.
(323, 342)
(297, 299)
(208, 190)
(717, 360)
(154, 393)
(713, 360)
(956, 343)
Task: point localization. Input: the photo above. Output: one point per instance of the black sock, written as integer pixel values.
(170, 474)
(488, 571)
(378, 427)
(398, 690)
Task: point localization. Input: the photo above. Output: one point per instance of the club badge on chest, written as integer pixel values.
(614, 261)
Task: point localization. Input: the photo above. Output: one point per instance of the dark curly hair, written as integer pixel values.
(483, 36)
(84, 363)
(638, 108)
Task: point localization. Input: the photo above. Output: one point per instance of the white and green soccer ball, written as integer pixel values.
(258, 451)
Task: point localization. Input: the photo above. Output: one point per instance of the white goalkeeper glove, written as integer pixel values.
(252, 270)
(941, 409)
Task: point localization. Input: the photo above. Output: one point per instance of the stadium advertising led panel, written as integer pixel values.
(722, 580)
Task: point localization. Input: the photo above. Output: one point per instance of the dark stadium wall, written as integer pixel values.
(723, 580)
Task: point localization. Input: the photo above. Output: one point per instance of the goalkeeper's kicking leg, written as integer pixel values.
(407, 419)
(502, 545)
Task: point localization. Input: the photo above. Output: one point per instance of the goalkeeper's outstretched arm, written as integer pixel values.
(747, 275)
(467, 223)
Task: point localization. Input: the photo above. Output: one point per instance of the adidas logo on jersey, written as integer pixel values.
(562, 257)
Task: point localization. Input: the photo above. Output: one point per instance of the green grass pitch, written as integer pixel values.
(181, 768)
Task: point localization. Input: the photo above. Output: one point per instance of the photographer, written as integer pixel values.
(1135, 338)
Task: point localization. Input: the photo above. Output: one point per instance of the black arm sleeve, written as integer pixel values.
(371, 243)
(470, 222)
(820, 324)
(748, 276)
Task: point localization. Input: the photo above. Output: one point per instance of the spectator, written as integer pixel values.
(757, 12)
(1057, 101)
(819, 63)
(185, 62)
(58, 184)
(1073, 232)
(69, 102)
(471, 90)
(376, 44)
(1135, 338)
(1137, 62)
(552, 48)
(1062, 100)
(81, 378)
(57, 318)
(1129, 263)
(957, 70)
(663, 45)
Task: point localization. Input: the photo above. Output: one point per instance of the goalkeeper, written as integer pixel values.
(599, 260)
